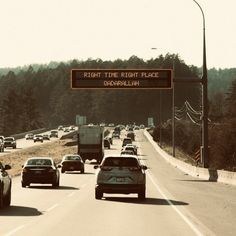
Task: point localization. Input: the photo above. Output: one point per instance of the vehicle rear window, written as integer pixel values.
(72, 158)
(8, 139)
(121, 162)
(39, 162)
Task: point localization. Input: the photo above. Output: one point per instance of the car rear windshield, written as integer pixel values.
(121, 162)
(9, 139)
(39, 162)
(72, 158)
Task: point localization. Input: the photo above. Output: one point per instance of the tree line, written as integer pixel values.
(41, 97)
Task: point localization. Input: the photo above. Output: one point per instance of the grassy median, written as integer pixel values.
(55, 149)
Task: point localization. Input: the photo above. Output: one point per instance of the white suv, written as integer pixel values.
(121, 174)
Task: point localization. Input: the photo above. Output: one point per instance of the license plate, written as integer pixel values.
(72, 168)
(38, 172)
(120, 179)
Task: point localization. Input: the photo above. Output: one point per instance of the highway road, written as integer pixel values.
(176, 204)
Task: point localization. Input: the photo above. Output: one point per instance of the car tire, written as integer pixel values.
(98, 194)
(56, 184)
(1, 197)
(82, 171)
(142, 195)
(23, 184)
(7, 200)
(62, 171)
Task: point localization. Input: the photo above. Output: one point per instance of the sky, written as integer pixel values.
(40, 31)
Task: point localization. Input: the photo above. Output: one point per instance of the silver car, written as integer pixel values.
(121, 174)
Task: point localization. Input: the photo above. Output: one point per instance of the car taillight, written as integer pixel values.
(25, 170)
(106, 168)
(50, 170)
(133, 168)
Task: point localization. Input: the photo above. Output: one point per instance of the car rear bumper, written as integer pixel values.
(41, 179)
(120, 188)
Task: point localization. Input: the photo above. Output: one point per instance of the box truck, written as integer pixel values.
(90, 142)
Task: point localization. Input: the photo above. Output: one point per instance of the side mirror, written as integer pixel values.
(7, 167)
(59, 166)
(96, 167)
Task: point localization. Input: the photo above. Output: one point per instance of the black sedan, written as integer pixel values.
(42, 170)
(5, 186)
(72, 162)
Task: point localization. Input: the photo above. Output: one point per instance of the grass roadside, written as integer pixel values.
(55, 149)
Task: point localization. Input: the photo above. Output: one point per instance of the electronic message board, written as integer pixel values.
(121, 79)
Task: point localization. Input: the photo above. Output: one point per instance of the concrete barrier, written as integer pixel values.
(222, 176)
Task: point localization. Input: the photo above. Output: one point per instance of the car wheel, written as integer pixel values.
(98, 194)
(62, 171)
(56, 184)
(23, 184)
(142, 195)
(7, 200)
(82, 171)
(1, 197)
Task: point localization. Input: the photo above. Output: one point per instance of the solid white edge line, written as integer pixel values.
(14, 230)
(52, 207)
(191, 225)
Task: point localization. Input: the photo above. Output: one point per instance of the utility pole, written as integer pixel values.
(204, 148)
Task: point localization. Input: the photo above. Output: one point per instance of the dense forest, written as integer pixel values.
(41, 96)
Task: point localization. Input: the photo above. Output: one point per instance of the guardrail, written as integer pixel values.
(221, 176)
(22, 135)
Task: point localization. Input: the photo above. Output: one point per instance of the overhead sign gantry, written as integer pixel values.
(121, 79)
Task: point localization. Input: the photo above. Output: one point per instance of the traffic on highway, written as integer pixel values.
(127, 189)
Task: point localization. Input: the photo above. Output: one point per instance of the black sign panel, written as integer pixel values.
(121, 79)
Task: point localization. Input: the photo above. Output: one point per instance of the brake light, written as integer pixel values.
(133, 168)
(50, 170)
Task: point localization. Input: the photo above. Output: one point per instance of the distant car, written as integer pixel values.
(106, 143)
(131, 135)
(116, 134)
(126, 141)
(42, 170)
(60, 127)
(1, 145)
(72, 127)
(66, 129)
(130, 148)
(136, 127)
(121, 174)
(29, 136)
(38, 138)
(141, 126)
(5, 186)
(46, 137)
(54, 134)
(72, 163)
(10, 142)
(111, 125)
